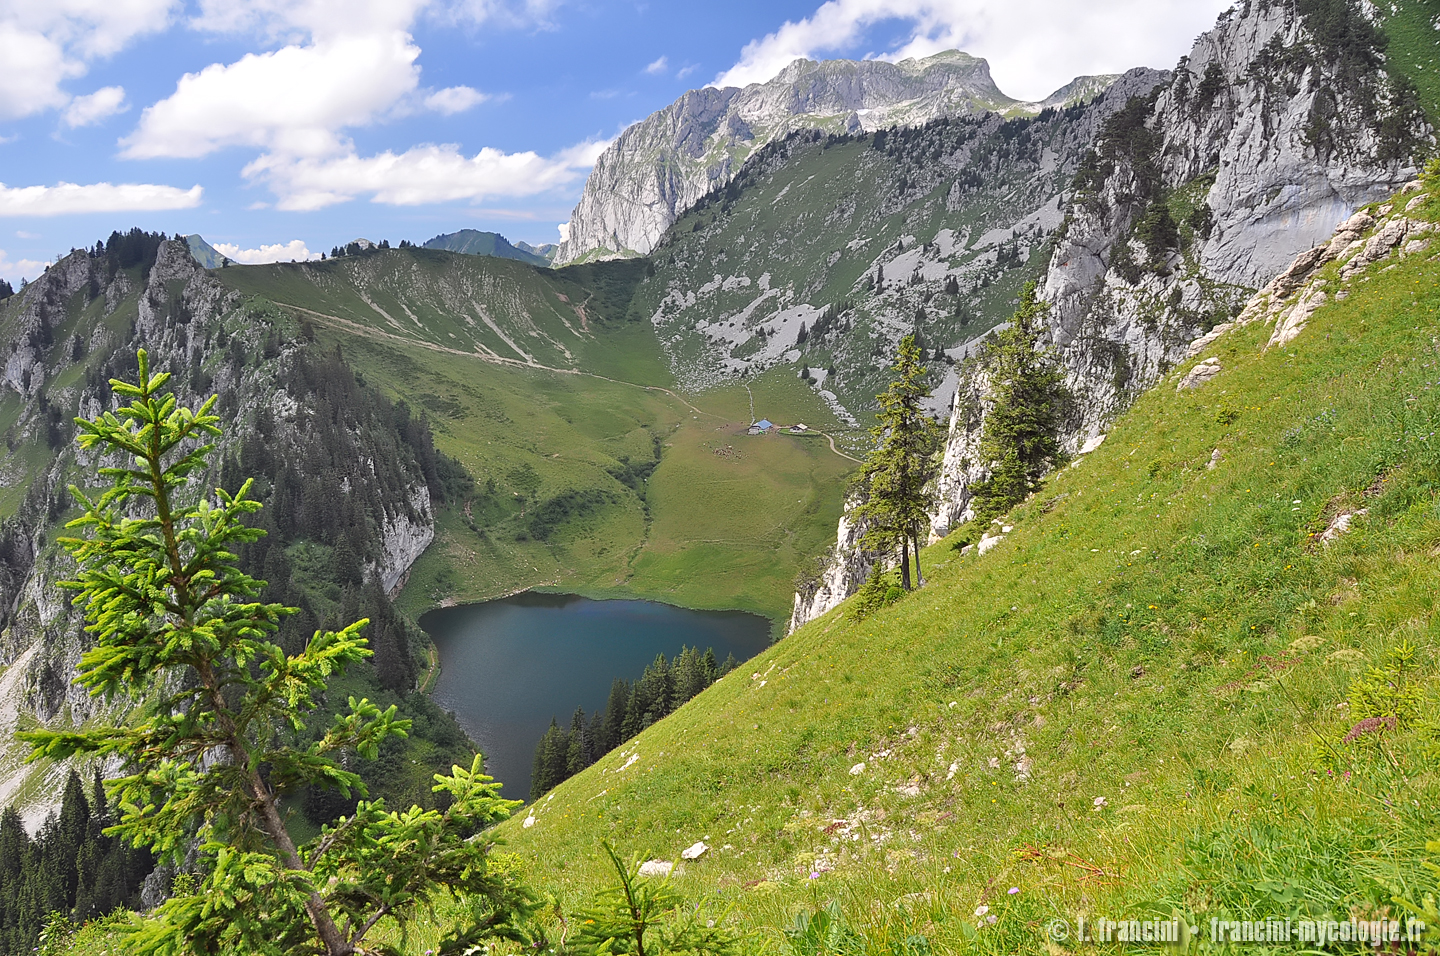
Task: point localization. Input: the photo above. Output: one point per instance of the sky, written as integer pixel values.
(278, 129)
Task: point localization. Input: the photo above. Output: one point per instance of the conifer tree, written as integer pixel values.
(221, 741)
(1020, 441)
(896, 477)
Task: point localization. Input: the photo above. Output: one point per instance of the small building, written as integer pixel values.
(799, 429)
(761, 427)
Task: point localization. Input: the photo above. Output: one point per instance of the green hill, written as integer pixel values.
(472, 242)
(537, 383)
(1136, 705)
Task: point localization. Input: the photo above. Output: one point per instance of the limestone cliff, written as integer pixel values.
(659, 167)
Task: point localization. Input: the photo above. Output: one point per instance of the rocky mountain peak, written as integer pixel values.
(662, 165)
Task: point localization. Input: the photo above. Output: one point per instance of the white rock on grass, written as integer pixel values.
(858, 769)
(695, 851)
(656, 868)
(1200, 374)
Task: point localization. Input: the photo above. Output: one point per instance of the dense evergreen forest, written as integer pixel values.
(633, 706)
(69, 869)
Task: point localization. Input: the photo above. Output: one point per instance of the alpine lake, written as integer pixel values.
(508, 666)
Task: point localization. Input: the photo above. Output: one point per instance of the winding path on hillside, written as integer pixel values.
(366, 331)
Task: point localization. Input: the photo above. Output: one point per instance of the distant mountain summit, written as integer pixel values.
(660, 166)
(546, 250)
(473, 242)
(203, 252)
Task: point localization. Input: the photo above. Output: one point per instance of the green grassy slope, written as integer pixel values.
(1120, 710)
(708, 528)
(479, 305)
(1410, 27)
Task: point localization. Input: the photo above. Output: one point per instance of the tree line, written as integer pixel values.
(632, 706)
(71, 868)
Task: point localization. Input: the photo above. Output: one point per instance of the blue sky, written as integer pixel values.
(280, 128)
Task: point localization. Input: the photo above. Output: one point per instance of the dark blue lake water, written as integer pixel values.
(508, 666)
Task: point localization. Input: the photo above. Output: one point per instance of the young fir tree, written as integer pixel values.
(1020, 441)
(895, 480)
(221, 738)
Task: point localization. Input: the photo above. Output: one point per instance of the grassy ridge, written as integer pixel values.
(1165, 636)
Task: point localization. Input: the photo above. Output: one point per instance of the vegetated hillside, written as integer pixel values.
(591, 475)
(1197, 678)
(473, 242)
(481, 306)
(824, 250)
(299, 422)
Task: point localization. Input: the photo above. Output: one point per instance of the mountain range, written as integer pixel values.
(1140, 691)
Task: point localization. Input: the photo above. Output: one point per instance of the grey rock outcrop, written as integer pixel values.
(1271, 139)
(662, 165)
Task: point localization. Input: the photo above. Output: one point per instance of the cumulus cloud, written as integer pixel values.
(46, 42)
(1034, 46)
(91, 109)
(70, 198)
(293, 251)
(454, 99)
(34, 68)
(16, 269)
(659, 66)
(292, 99)
(344, 64)
(420, 175)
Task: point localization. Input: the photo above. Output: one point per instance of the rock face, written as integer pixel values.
(1268, 136)
(659, 167)
(406, 535)
(826, 249)
(1231, 175)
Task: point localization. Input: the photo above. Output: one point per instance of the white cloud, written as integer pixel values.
(659, 66)
(45, 42)
(564, 228)
(34, 68)
(21, 233)
(17, 269)
(292, 99)
(1034, 46)
(293, 20)
(293, 251)
(420, 175)
(69, 198)
(454, 99)
(508, 13)
(103, 103)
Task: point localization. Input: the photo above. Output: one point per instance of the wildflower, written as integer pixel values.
(1013, 890)
(1099, 802)
(981, 910)
(814, 875)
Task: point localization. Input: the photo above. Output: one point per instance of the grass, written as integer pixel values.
(1412, 48)
(1122, 711)
(710, 531)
